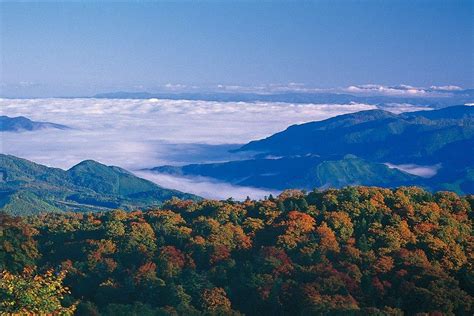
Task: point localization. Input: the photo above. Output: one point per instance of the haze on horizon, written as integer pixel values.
(84, 48)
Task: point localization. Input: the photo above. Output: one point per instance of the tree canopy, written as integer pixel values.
(357, 250)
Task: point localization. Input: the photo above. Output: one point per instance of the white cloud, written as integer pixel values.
(364, 89)
(206, 187)
(421, 171)
(375, 89)
(398, 108)
(136, 134)
(177, 86)
(273, 88)
(446, 88)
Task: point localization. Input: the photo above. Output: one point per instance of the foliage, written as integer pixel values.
(30, 293)
(357, 250)
(17, 246)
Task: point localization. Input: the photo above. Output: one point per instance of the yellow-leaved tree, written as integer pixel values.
(29, 293)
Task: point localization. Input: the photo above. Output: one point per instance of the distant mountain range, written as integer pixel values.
(415, 137)
(296, 172)
(27, 188)
(442, 100)
(21, 123)
(354, 149)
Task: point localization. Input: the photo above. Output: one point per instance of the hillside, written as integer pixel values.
(305, 172)
(21, 123)
(374, 134)
(355, 251)
(29, 188)
(315, 154)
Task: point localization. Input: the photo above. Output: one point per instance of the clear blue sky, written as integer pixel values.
(80, 48)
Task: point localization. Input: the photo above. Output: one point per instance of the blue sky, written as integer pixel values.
(83, 48)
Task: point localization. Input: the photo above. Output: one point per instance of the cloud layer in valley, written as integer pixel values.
(139, 133)
(417, 170)
(136, 134)
(205, 187)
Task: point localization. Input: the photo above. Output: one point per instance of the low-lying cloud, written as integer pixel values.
(136, 134)
(387, 90)
(417, 170)
(398, 108)
(402, 90)
(206, 187)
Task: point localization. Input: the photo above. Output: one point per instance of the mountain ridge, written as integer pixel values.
(375, 128)
(21, 123)
(446, 99)
(88, 185)
(373, 137)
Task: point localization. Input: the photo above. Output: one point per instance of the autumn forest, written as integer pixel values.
(352, 251)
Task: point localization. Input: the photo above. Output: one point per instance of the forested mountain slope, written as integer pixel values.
(28, 188)
(355, 251)
(375, 134)
(297, 172)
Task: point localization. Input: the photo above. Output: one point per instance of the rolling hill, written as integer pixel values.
(27, 187)
(305, 172)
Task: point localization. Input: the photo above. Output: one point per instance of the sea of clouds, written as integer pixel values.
(144, 133)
